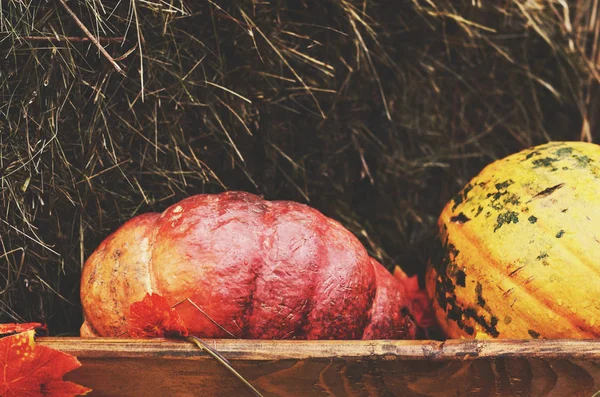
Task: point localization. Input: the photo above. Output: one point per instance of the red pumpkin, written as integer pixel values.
(255, 269)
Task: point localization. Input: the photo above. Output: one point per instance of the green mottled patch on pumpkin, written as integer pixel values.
(546, 162)
(532, 219)
(506, 218)
(530, 155)
(560, 234)
(542, 255)
(460, 218)
(489, 327)
(512, 199)
(495, 197)
(458, 199)
(462, 196)
(582, 161)
(479, 209)
(509, 198)
(479, 292)
(533, 334)
(565, 151)
(444, 254)
(461, 278)
(504, 185)
(453, 250)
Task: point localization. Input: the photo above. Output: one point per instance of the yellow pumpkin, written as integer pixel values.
(518, 254)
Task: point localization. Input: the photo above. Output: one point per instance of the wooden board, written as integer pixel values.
(129, 367)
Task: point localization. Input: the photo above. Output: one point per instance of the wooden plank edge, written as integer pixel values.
(265, 350)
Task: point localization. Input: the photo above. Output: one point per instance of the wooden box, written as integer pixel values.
(133, 367)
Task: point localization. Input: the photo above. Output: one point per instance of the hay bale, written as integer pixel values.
(374, 117)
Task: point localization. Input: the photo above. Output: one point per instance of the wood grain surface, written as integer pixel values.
(129, 367)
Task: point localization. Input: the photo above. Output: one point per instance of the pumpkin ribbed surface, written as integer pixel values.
(518, 254)
(235, 265)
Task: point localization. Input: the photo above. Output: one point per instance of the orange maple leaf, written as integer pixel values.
(153, 317)
(29, 370)
(14, 328)
(422, 308)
